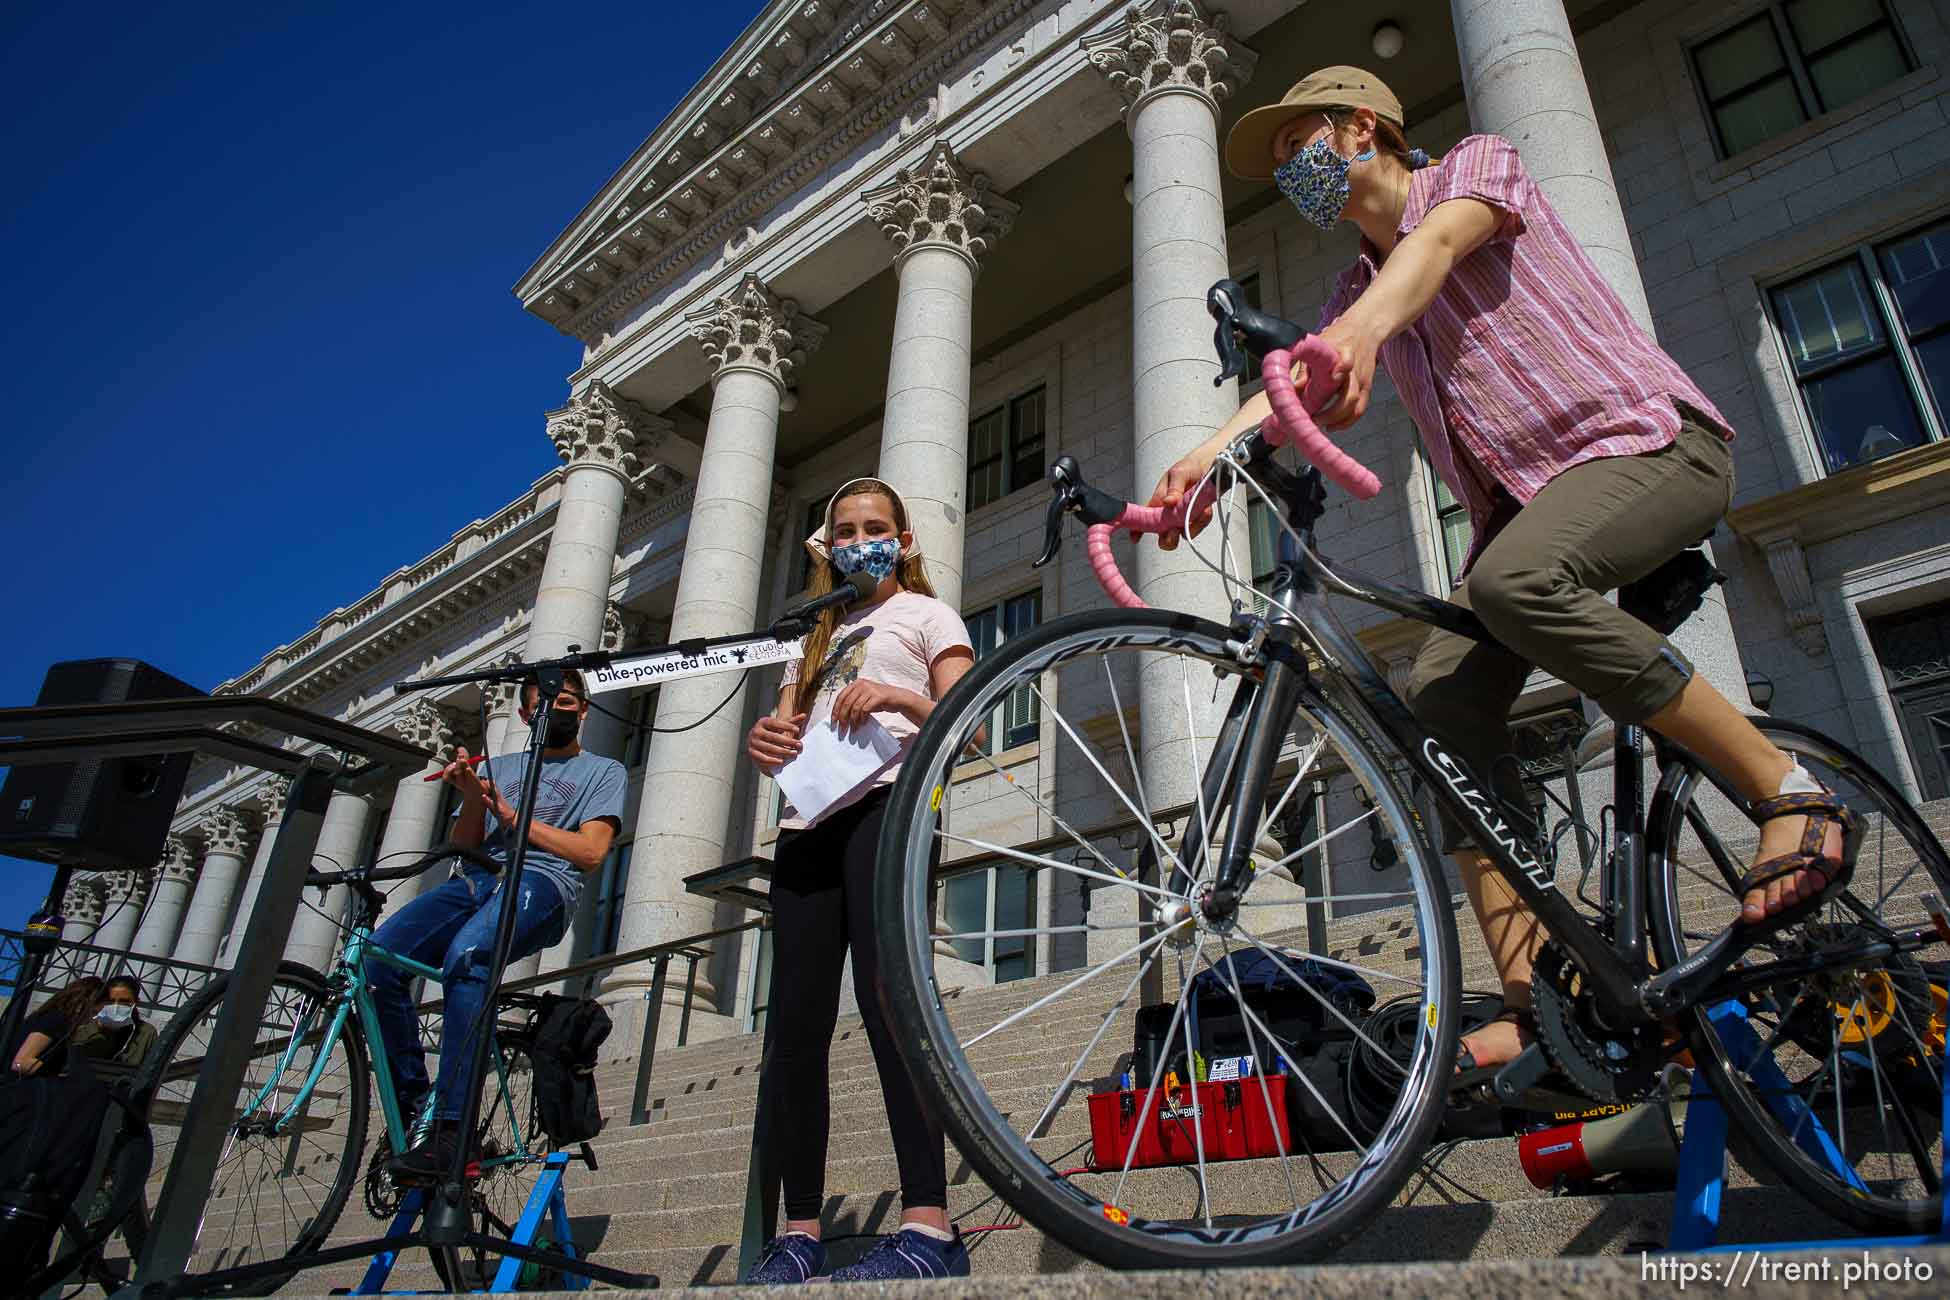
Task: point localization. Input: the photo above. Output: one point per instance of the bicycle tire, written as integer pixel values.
(1834, 763)
(933, 1053)
(298, 994)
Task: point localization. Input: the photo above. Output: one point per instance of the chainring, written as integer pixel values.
(1606, 1061)
(383, 1195)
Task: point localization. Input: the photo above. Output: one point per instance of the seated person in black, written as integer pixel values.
(45, 1037)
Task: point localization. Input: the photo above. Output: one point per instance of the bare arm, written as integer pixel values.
(28, 1059)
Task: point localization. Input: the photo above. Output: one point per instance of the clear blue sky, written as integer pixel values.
(260, 348)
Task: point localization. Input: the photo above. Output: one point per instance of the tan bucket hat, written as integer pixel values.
(1249, 146)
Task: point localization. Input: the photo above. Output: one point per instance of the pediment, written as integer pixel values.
(806, 79)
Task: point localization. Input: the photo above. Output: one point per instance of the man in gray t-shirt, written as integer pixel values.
(578, 810)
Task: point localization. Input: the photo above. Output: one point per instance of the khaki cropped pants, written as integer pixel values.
(1539, 587)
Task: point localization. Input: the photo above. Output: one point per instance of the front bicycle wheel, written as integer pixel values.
(297, 1121)
(1060, 839)
(1835, 1078)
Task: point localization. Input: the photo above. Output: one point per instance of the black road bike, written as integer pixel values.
(1819, 1037)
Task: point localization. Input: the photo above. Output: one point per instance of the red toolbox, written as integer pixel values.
(1231, 1114)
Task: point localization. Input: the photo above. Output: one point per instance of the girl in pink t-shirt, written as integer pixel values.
(890, 660)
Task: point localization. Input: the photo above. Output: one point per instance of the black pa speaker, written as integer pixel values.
(102, 813)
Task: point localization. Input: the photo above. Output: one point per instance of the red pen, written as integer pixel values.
(435, 776)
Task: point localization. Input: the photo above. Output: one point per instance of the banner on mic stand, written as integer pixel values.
(669, 665)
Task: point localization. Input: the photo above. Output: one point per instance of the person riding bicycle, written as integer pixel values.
(578, 810)
(1584, 454)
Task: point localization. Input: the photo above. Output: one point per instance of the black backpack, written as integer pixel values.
(567, 1033)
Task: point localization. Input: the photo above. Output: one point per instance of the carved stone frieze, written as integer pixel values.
(751, 329)
(939, 203)
(226, 831)
(1170, 45)
(601, 427)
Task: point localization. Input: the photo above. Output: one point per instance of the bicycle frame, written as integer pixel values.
(349, 975)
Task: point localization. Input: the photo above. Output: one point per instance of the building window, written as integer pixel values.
(802, 564)
(982, 901)
(1005, 449)
(1793, 61)
(1914, 650)
(761, 982)
(1249, 286)
(613, 885)
(1451, 520)
(1869, 340)
(1018, 719)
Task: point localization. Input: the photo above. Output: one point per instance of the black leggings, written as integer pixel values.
(822, 906)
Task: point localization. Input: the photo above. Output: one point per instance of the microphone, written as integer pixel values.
(858, 586)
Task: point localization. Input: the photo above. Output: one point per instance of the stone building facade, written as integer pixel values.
(948, 240)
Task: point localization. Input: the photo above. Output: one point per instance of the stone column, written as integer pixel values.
(1523, 81)
(341, 841)
(601, 436)
(1173, 66)
(414, 825)
(500, 718)
(226, 840)
(755, 341)
(168, 896)
(942, 219)
(270, 799)
(122, 899)
(81, 909)
(608, 736)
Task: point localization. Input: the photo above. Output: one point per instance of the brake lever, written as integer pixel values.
(1052, 526)
(1072, 493)
(1220, 301)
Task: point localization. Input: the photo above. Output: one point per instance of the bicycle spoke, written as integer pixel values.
(1043, 930)
(1144, 822)
(1055, 817)
(1038, 1129)
(1319, 840)
(1091, 974)
(1124, 730)
(1265, 1090)
(1150, 1094)
(1333, 1010)
(1054, 863)
(1875, 1074)
(1198, 1117)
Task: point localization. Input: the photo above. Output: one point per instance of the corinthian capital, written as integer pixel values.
(1169, 45)
(226, 831)
(601, 427)
(271, 796)
(178, 861)
(750, 329)
(127, 887)
(83, 901)
(429, 726)
(938, 203)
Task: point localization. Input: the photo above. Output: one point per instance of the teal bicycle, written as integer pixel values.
(297, 1142)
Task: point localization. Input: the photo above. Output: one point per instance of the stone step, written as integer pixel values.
(1530, 1230)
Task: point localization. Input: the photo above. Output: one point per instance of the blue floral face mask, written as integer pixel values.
(877, 558)
(1315, 179)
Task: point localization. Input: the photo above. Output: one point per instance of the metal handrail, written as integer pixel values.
(185, 979)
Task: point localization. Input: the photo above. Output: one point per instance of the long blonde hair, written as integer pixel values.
(910, 575)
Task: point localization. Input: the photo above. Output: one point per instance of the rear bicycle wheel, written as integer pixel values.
(1106, 924)
(510, 1139)
(1835, 1079)
(291, 1155)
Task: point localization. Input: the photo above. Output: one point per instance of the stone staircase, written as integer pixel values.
(668, 1197)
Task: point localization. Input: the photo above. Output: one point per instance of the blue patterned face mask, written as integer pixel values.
(1316, 180)
(876, 559)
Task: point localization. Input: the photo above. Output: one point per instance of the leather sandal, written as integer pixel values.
(1822, 810)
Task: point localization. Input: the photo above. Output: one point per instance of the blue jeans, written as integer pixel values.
(452, 926)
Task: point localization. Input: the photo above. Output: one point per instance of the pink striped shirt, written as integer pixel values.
(1525, 363)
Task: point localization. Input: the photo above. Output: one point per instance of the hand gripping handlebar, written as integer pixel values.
(1291, 422)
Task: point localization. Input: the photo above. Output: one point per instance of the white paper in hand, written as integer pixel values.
(833, 764)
